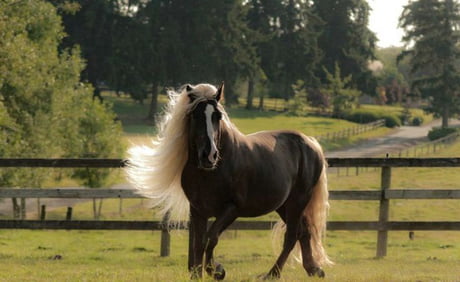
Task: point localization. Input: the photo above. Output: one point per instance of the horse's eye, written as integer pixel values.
(196, 115)
(217, 115)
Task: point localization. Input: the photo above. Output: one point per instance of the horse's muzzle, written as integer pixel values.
(207, 161)
(206, 165)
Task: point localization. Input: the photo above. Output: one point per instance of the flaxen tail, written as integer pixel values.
(316, 215)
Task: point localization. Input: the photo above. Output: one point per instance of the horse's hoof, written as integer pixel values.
(316, 271)
(219, 272)
(268, 276)
(195, 273)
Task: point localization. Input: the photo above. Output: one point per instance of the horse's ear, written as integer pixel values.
(189, 88)
(220, 92)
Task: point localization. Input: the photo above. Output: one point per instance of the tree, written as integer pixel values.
(432, 35)
(194, 42)
(393, 86)
(343, 97)
(41, 96)
(288, 48)
(346, 39)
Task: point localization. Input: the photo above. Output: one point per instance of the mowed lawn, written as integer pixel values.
(134, 255)
(46, 255)
(139, 130)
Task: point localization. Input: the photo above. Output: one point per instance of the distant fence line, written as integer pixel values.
(351, 131)
(427, 147)
(384, 195)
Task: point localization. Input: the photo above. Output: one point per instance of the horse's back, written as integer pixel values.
(290, 141)
(293, 147)
(285, 158)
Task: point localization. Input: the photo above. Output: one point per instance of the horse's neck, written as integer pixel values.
(231, 138)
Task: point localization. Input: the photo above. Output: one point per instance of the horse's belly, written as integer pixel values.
(264, 198)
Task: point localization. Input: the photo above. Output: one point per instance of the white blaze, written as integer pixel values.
(210, 130)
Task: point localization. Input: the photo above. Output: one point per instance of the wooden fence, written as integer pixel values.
(384, 195)
(351, 131)
(428, 147)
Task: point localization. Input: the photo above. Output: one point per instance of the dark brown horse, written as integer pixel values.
(225, 174)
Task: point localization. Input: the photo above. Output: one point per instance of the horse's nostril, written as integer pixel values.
(215, 156)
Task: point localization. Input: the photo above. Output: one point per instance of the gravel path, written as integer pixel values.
(400, 138)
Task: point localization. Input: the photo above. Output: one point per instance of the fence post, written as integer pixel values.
(43, 213)
(68, 215)
(384, 211)
(165, 237)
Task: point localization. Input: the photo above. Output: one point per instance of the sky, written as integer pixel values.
(383, 21)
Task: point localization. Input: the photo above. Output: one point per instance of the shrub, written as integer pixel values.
(416, 121)
(437, 133)
(366, 116)
(391, 120)
(362, 116)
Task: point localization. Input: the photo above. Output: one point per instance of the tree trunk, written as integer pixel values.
(38, 208)
(23, 208)
(153, 103)
(261, 102)
(97, 94)
(445, 117)
(250, 93)
(94, 209)
(16, 209)
(99, 211)
(229, 94)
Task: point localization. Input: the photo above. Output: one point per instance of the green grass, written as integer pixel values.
(132, 114)
(138, 130)
(134, 255)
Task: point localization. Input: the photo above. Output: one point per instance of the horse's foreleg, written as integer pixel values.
(222, 222)
(197, 232)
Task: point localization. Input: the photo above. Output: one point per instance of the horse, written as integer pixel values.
(200, 166)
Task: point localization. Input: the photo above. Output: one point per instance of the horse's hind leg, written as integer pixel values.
(291, 218)
(308, 262)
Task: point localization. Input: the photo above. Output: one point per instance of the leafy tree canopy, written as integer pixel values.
(44, 108)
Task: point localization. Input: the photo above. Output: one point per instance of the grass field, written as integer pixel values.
(139, 130)
(134, 255)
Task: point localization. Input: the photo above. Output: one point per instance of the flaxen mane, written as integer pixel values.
(155, 171)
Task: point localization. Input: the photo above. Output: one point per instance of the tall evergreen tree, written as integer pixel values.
(89, 24)
(432, 37)
(288, 48)
(346, 40)
(195, 42)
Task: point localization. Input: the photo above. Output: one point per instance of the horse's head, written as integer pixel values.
(204, 118)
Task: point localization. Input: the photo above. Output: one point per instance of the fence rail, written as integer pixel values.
(333, 162)
(384, 195)
(85, 193)
(238, 225)
(351, 131)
